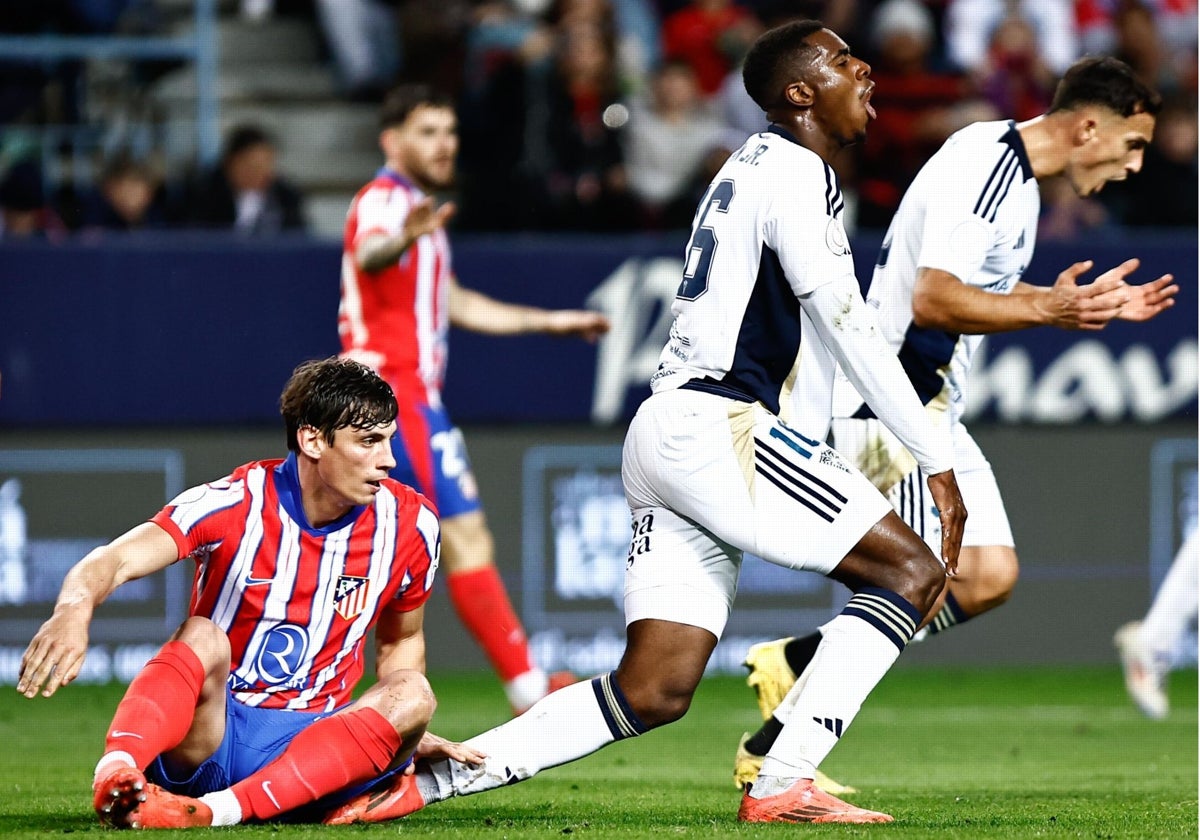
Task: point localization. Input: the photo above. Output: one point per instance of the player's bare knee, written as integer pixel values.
(924, 577)
(661, 703)
(996, 585)
(406, 699)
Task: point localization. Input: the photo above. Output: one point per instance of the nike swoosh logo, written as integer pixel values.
(266, 786)
(253, 581)
(116, 733)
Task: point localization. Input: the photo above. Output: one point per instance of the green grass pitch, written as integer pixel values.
(1014, 753)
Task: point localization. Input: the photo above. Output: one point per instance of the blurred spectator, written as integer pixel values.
(971, 27)
(1157, 37)
(631, 25)
(917, 107)
(1165, 193)
(712, 36)
(364, 37)
(129, 197)
(574, 126)
(509, 57)
(1140, 41)
(433, 41)
(669, 135)
(639, 41)
(23, 210)
(1014, 77)
(245, 192)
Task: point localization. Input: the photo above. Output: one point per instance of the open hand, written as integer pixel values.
(434, 748)
(424, 218)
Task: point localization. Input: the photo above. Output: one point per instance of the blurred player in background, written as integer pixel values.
(399, 298)
(248, 706)
(950, 269)
(1147, 647)
(711, 469)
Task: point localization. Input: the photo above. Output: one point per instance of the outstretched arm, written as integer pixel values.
(471, 310)
(56, 653)
(942, 301)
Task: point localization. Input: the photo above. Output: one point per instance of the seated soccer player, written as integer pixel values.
(245, 714)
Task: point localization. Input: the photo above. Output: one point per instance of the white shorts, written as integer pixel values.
(872, 447)
(707, 478)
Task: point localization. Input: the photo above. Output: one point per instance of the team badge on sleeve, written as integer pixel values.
(350, 595)
(835, 238)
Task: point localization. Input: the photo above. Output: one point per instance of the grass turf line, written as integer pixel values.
(1013, 753)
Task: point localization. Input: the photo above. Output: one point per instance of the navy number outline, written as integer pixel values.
(704, 238)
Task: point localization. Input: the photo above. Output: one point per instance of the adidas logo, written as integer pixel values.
(834, 725)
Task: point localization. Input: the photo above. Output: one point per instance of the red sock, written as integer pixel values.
(483, 606)
(158, 707)
(335, 752)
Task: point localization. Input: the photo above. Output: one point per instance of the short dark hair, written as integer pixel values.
(402, 100)
(245, 137)
(1108, 82)
(772, 60)
(334, 393)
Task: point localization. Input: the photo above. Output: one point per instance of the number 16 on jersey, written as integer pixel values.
(703, 244)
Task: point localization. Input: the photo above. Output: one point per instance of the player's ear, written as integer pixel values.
(798, 95)
(1085, 129)
(311, 441)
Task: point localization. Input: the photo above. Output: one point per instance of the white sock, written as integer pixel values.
(563, 726)
(108, 762)
(1174, 607)
(225, 807)
(526, 689)
(853, 656)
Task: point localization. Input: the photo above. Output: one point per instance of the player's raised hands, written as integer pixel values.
(55, 654)
(583, 323)
(1091, 307)
(425, 218)
(1149, 299)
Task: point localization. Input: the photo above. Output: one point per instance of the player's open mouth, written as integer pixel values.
(866, 98)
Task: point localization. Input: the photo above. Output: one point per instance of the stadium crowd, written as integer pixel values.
(612, 115)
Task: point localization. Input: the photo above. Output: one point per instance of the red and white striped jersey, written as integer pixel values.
(297, 601)
(396, 319)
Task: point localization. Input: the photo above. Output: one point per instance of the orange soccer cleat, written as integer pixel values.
(399, 799)
(804, 802)
(162, 809)
(118, 794)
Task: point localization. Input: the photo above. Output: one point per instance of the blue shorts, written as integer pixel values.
(253, 739)
(431, 456)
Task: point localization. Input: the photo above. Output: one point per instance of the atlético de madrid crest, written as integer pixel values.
(350, 595)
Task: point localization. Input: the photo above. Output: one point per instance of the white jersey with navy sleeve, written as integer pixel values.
(768, 231)
(972, 211)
